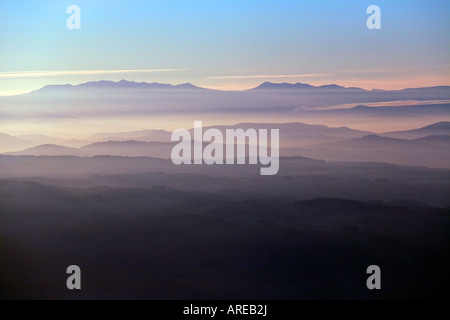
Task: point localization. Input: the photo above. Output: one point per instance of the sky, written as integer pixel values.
(229, 45)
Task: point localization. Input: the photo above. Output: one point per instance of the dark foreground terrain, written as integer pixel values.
(160, 243)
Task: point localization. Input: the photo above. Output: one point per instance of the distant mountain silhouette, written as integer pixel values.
(122, 84)
(157, 143)
(140, 135)
(429, 151)
(284, 85)
(432, 151)
(129, 98)
(299, 85)
(296, 139)
(9, 143)
(436, 141)
(428, 89)
(302, 86)
(41, 139)
(413, 111)
(130, 149)
(291, 134)
(300, 134)
(438, 128)
(370, 141)
(434, 138)
(125, 84)
(110, 148)
(49, 150)
(375, 142)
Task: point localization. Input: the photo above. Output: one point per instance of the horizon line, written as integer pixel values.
(17, 93)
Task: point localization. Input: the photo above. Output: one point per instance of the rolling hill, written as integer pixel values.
(439, 128)
(429, 151)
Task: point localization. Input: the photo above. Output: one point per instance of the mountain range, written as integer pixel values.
(292, 134)
(428, 147)
(124, 84)
(439, 128)
(299, 102)
(303, 86)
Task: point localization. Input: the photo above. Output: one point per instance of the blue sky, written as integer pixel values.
(225, 44)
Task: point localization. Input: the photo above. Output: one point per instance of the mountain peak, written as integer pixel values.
(374, 137)
(331, 86)
(439, 125)
(300, 86)
(282, 86)
(187, 86)
(122, 84)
